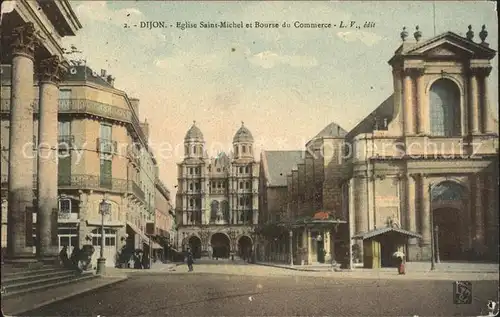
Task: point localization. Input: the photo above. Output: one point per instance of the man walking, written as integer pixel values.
(189, 260)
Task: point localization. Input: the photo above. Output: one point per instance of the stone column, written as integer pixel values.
(51, 72)
(426, 213)
(422, 104)
(485, 103)
(309, 246)
(479, 221)
(410, 203)
(473, 103)
(360, 204)
(328, 245)
(20, 188)
(408, 107)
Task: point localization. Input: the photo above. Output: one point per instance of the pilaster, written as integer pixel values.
(478, 216)
(408, 102)
(473, 101)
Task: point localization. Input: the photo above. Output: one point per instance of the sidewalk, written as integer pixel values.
(18, 305)
(411, 267)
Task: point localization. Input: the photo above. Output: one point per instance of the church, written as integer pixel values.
(419, 174)
(217, 198)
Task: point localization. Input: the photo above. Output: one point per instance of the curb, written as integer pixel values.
(115, 280)
(354, 270)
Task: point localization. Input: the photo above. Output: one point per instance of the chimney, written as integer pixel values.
(135, 105)
(111, 80)
(103, 73)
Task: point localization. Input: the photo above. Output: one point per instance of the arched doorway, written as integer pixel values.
(245, 247)
(220, 245)
(449, 205)
(195, 246)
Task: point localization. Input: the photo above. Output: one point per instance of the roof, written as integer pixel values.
(331, 130)
(277, 164)
(377, 232)
(85, 73)
(380, 117)
(194, 133)
(243, 135)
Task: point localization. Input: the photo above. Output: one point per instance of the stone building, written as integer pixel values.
(102, 154)
(308, 182)
(164, 215)
(423, 166)
(217, 198)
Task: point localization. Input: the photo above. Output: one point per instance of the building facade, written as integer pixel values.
(165, 225)
(217, 198)
(102, 154)
(421, 171)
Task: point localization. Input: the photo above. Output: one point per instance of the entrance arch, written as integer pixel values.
(220, 245)
(449, 204)
(244, 247)
(195, 246)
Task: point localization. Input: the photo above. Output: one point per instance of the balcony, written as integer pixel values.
(106, 146)
(90, 107)
(66, 141)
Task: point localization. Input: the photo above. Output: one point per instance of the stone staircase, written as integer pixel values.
(16, 281)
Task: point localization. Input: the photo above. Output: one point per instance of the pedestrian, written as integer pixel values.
(401, 265)
(63, 256)
(75, 257)
(189, 260)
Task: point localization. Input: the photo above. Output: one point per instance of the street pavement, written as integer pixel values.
(237, 290)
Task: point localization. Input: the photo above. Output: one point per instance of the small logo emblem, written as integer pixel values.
(462, 292)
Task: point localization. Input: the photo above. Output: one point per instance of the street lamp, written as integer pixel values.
(104, 209)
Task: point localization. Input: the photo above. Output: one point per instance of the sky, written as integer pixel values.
(285, 84)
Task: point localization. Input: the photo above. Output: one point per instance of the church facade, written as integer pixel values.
(419, 173)
(217, 198)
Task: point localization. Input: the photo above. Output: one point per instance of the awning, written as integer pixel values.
(377, 232)
(144, 237)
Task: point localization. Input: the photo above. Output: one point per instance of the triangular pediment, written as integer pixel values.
(452, 45)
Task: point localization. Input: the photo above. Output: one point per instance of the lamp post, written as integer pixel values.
(433, 260)
(101, 262)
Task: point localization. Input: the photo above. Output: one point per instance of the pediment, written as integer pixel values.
(452, 45)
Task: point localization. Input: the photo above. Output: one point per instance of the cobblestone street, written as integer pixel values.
(247, 290)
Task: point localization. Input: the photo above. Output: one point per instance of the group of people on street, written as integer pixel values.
(79, 258)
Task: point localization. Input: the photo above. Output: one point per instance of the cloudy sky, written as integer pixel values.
(285, 84)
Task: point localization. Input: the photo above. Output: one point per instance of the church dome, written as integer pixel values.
(194, 133)
(243, 135)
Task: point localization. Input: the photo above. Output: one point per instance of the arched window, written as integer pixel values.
(194, 149)
(214, 208)
(447, 190)
(444, 103)
(225, 209)
(236, 149)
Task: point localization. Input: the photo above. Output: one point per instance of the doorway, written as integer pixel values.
(320, 247)
(447, 221)
(195, 246)
(220, 245)
(244, 248)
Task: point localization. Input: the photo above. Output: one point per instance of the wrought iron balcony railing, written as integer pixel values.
(91, 107)
(107, 146)
(65, 141)
(134, 155)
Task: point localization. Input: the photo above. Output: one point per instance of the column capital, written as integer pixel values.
(480, 71)
(24, 40)
(52, 69)
(413, 71)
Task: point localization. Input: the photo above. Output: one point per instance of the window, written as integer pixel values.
(241, 170)
(214, 184)
(191, 202)
(106, 173)
(64, 205)
(250, 148)
(190, 186)
(444, 108)
(244, 149)
(64, 128)
(105, 131)
(247, 185)
(242, 201)
(218, 170)
(190, 170)
(247, 201)
(64, 168)
(247, 169)
(197, 186)
(241, 185)
(223, 185)
(194, 149)
(218, 185)
(65, 94)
